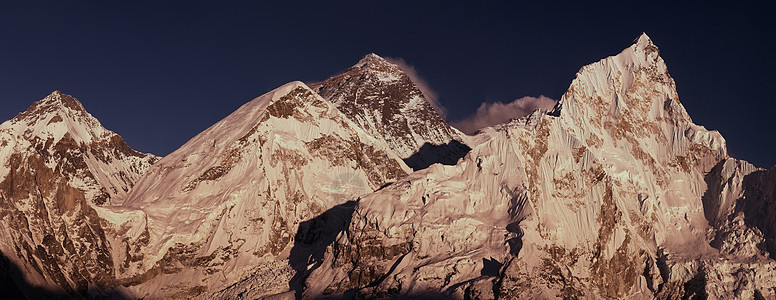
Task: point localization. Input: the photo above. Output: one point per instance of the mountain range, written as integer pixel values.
(355, 187)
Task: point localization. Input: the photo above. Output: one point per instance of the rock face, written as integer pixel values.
(380, 97)
(229, 202)
(58, 165)
(601, 197)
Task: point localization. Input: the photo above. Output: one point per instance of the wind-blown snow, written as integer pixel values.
(490, 114)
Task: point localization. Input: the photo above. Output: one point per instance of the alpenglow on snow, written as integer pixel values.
(354, 187)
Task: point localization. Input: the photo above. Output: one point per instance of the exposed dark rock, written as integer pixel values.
(311, 240)
(759, 206)
(429, 154)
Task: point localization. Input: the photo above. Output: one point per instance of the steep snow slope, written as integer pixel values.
(57, 163)
(94, 159)
(230, 200)
(601, 197)
(380, 97)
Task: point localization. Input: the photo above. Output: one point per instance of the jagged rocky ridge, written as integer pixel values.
(614, 193)
(380, 97)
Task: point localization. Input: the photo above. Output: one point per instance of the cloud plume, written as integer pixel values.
(430, 95)
(489, 114)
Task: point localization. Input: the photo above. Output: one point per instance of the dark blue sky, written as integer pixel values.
(158, 74)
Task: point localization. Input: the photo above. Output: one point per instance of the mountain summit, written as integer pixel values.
(643, 41)
(58, 115)
(380, 97)
(377, 64)
(58, 165)
(71, 140)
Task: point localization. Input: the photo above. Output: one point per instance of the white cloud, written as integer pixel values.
(430, 95)
(489, 114)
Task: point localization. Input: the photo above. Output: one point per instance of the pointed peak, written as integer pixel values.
(372, 57)
(643, 42)
(58, 100)
(375, 62)
(643, 37)
(57, 116)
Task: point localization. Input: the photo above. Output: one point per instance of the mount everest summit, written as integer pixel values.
(354, 187)
(383, 100)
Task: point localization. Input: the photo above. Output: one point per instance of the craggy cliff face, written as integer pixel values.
(58, 166)
(600, 197)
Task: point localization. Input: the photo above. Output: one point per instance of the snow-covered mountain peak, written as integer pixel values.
(57, 116)
(383, 100)
(55, 103)
(374, 63)
(58, 98)
(244, 119)
(284, 124)
(634, 83)
(643, 40)
(98, 162)
(373, 58)
(58, 165)
(647, 52)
